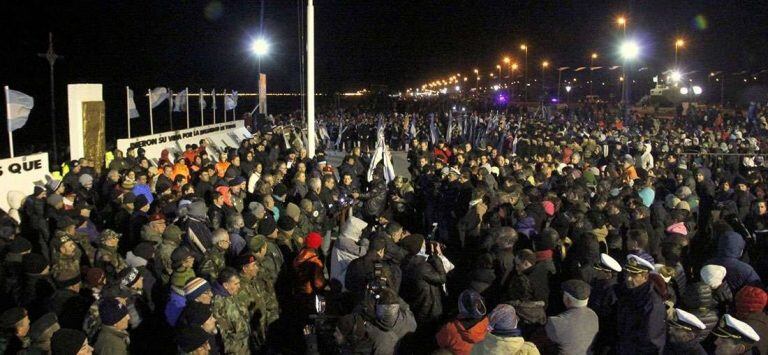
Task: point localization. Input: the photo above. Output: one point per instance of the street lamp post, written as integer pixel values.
(499, 68)
(678, 43)
(629, 51)
(567, 94)
(622, 21)
(260, 48)
(525, 71)
(591, 64)
(544, 66)
(477, 79)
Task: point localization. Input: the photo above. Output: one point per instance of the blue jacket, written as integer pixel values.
(175, 306)
(730, 247)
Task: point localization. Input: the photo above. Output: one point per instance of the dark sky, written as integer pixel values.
(358, 42)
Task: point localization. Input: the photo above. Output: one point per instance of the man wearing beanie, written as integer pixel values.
(214, 258)
(504, 337)
(113, 337)
(290, 244)
(107, 257)
(15, 326)
(574, 330)
(37, 287)
(389, 321)
(193, 341)
(310, 279)
(750, 308)
(70, 342)
(182, 274)
(41, 331)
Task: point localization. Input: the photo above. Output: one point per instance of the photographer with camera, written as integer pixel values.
(423, 279)
(368, 271)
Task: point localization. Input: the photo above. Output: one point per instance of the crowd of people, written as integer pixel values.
(571, 231)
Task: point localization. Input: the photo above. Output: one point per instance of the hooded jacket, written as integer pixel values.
(15, 201)
(494, 344)
(730, 247)
(347, 248)
(459, 340)
(386, 330)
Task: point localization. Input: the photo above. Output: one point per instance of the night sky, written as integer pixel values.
(359, 43)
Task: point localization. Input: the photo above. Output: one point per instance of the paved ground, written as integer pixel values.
(399, 160)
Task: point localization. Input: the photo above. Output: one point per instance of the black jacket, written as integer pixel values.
(641, 320)
(422, 286)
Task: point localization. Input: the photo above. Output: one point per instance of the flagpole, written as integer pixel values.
(8, 116)
(200, 103)
(128, 109)
(170, 107)
(186, 97)
(310, 79)
(234, 110)
(225, 105)
(151, 120)
(213, 103)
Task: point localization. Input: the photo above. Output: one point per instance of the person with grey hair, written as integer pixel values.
(574, 330)
(235, 224)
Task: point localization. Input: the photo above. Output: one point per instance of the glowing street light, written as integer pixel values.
(629, 50)
(506, 60)
(622, 21)
(499, 68)
(591, 64)
(675, 75)
(678, 43)
(260, 47)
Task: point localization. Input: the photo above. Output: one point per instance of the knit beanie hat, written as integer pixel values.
(750, 299)
(85, 179)
(314, 240)
(10, 317)
(412, 243)
(111, 311)
(713, 275)
(293, 211)
(197, 209)
(286, 223)
(503, 320)
(195, 314)
(173, 233)
(549, 208)
(267, 225)
(179, 255)
(67, 341)
(471, 305)
(191, 338)
(195, 287)
(140, 202)
(93, 276)
(129, 276)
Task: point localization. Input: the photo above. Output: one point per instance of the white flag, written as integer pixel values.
(203, 104)
(180, 101)
(213, 97)
(132, 111)
(19, 106)
(230, 101)
(157, 96)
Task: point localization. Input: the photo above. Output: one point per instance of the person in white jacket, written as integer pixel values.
(347, 248)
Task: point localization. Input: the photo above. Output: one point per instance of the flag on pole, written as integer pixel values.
(132, 111)
(19, 106)
(203, 104)
(157, 96)
(180, 101)
(381, 154)
(230, 101)
(213, 97)
(433, 134)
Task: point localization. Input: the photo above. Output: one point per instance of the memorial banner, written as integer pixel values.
(22, 174)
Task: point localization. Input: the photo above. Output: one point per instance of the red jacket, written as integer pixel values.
(452, 336)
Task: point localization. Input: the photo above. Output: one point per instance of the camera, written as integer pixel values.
(380, 280)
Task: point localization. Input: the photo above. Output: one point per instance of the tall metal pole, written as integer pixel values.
(310, 79)
(128, 109)
(51, 56)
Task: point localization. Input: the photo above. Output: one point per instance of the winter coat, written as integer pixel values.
(347, 248)
(697, 299)
(375, 200)
(458, 339)
(111, 342)
(309, 272)
(423, 279)
(387, 329)
(603, 300)
(497, 345)
(641, 320)
(15, 201)
(573, 331)
(730, 247)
